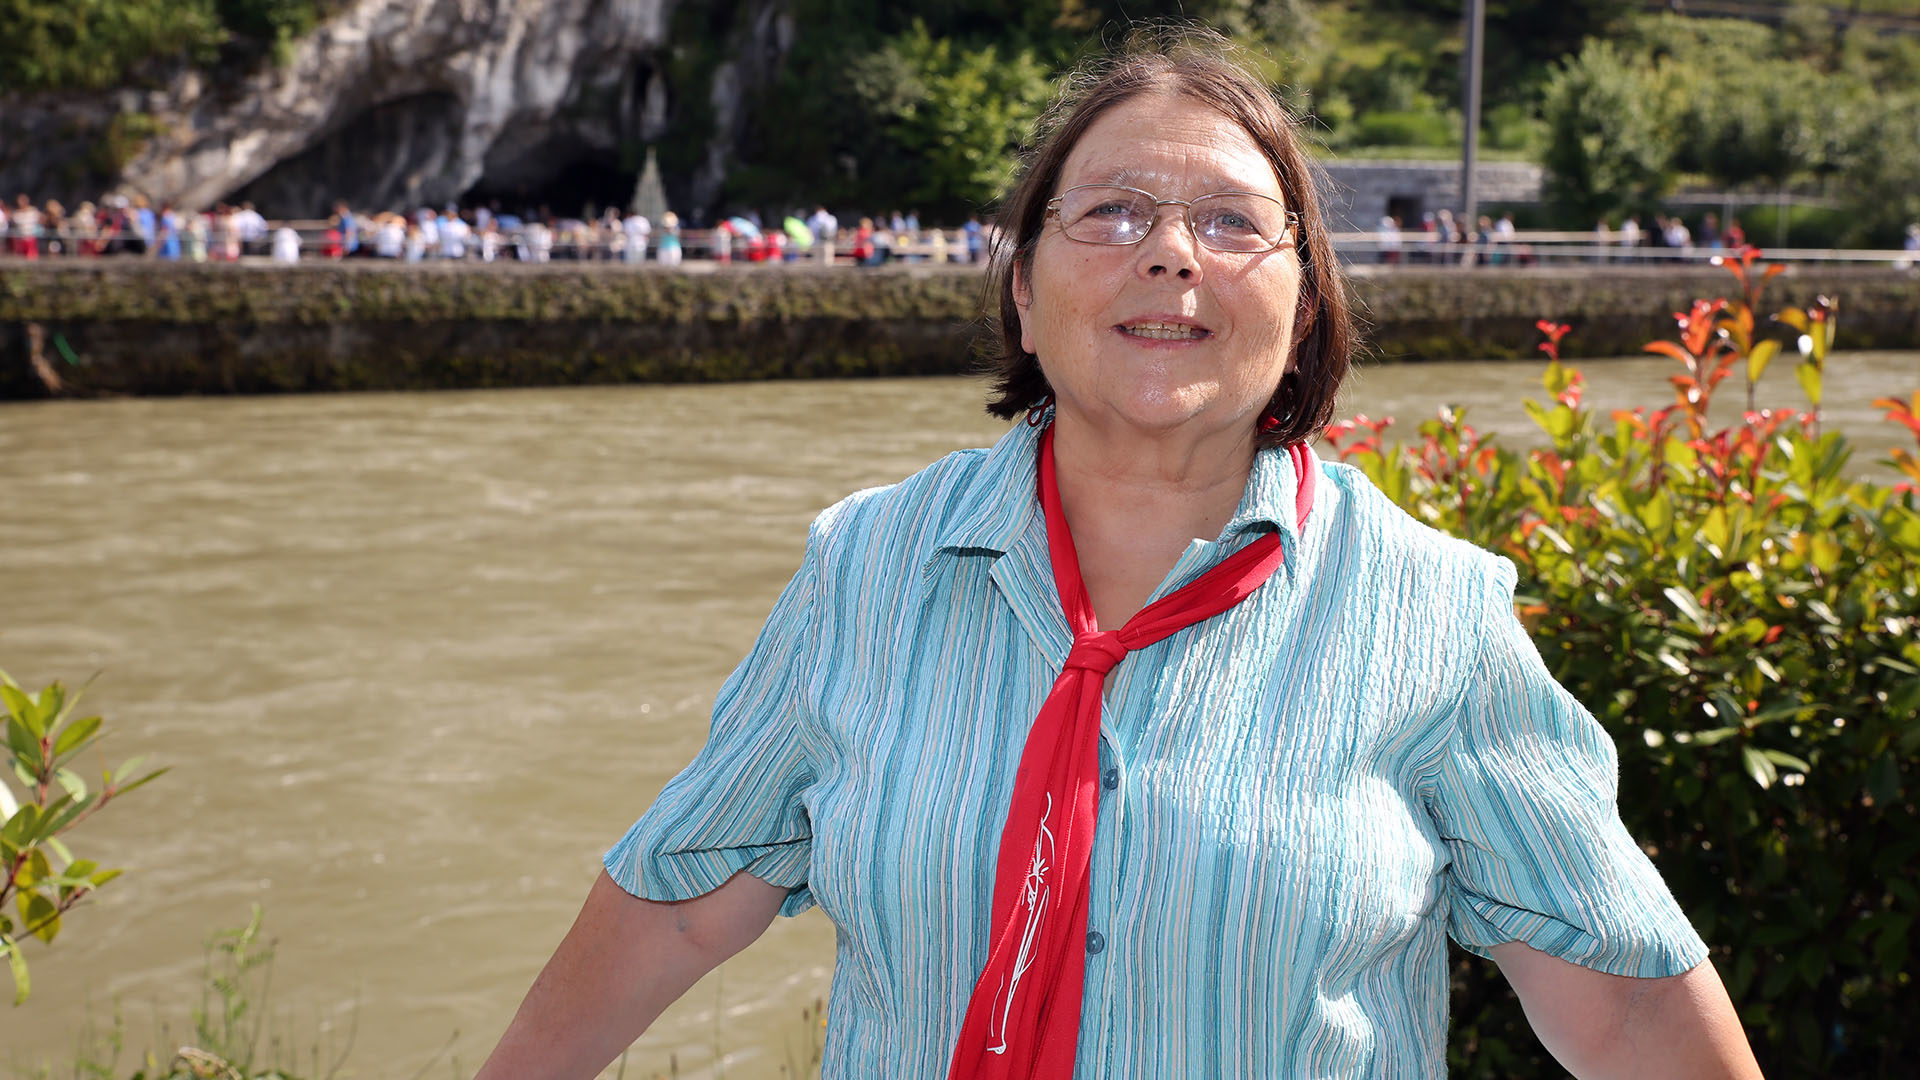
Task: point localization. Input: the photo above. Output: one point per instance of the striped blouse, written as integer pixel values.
(1300, 798)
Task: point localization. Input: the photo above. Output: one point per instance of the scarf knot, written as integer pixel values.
(1096, 651)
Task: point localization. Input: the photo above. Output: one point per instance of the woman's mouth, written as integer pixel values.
(1154, 330)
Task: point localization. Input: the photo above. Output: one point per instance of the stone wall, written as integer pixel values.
(134, 327)
(1360, 193)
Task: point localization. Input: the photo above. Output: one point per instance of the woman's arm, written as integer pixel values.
(625, 960)
(1598, 1025)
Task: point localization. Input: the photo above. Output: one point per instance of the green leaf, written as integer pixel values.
(1786, 760)
(1758, 766)
(39, 916)
(1809, 376)
(1684, 602)
(75, 734)
(1760, 357)
(21, 984)
(20, 824)
(21, 706)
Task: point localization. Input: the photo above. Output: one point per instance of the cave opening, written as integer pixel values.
(592, 182)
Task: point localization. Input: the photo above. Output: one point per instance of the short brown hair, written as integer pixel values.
(1201, 65)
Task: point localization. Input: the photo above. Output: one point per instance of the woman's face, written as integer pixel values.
(1162, 333)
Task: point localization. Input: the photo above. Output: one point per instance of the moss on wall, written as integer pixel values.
(144, 328)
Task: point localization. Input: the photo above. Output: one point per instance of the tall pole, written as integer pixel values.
(1476, 49)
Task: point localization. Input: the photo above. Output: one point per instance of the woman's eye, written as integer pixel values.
(1111, 209)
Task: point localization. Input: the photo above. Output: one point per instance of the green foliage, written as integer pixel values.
(1741, 610)
(1405, 129)
(1608, 149)
(959, 115)
(98, 44)
(39, 874)
(102, 44)
(231, 1033)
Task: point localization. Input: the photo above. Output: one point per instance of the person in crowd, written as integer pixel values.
(1710, 231)
(1145, 744)
(286, 245)
(1630, 235)
(976, 239)
(389, 236)
(56, 232)
(1387, 240)
(143, 226)
(350, 228)
(1445, 232)
(1735, 236)
(454, 234)
(253, 229)
(199, 229)
(1912, 241)
(490, 241)
(23, 231)
(636, 229)
(417, 242)
(1679, 238)
(825, 227)
(169, 236)
(669, 244)
(1503, 232)
(723, 242)
(1602, 240)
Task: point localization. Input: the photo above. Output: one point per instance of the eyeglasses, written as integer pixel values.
(1243, 222)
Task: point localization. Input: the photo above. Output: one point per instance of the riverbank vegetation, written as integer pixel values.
(1742, 613)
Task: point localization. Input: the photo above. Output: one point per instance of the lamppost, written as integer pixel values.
(1476, 16)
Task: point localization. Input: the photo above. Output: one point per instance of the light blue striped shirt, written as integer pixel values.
(1300, 798)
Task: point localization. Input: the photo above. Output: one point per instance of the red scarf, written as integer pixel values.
(1023, 1021)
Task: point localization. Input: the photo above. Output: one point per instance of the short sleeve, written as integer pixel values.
(739, 805)
(1526, 801)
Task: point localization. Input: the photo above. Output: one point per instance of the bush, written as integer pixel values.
(1405, 129)
(1742, 611)
(38, 874)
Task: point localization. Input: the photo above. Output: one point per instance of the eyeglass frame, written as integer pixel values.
(1291, 232)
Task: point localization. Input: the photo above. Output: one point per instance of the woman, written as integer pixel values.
(1088, 793)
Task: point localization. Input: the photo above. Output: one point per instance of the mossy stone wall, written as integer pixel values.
(139, 327)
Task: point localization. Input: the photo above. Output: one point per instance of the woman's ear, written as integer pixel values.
(1023, 304)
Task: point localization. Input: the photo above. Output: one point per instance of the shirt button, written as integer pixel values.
(1111, 779)
(1095, 943)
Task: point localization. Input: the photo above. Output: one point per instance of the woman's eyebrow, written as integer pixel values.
(1146, 179)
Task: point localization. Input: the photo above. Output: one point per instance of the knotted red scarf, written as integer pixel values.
(1023, 1021)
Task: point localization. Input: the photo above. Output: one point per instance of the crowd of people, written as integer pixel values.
(132, 225)
(123, 225)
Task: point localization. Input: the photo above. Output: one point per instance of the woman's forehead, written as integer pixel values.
(1166, 142)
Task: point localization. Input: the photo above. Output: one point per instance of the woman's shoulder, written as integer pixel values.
(904, 518)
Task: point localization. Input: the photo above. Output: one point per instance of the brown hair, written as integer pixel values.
(1201, 65)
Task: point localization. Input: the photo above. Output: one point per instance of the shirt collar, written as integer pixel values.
(1002, 501)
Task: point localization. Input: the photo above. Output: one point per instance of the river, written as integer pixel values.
(415, 660)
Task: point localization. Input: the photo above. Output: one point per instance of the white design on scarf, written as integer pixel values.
(1036, 895)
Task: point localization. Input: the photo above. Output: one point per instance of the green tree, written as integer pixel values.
(99, 44)
(1607, 146)
(959, 114)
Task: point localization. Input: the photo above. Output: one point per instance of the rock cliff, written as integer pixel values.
(407, 102)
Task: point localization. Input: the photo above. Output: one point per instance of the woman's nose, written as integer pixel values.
(1170, 246)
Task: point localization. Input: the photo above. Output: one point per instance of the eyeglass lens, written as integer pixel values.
(1224, 221)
